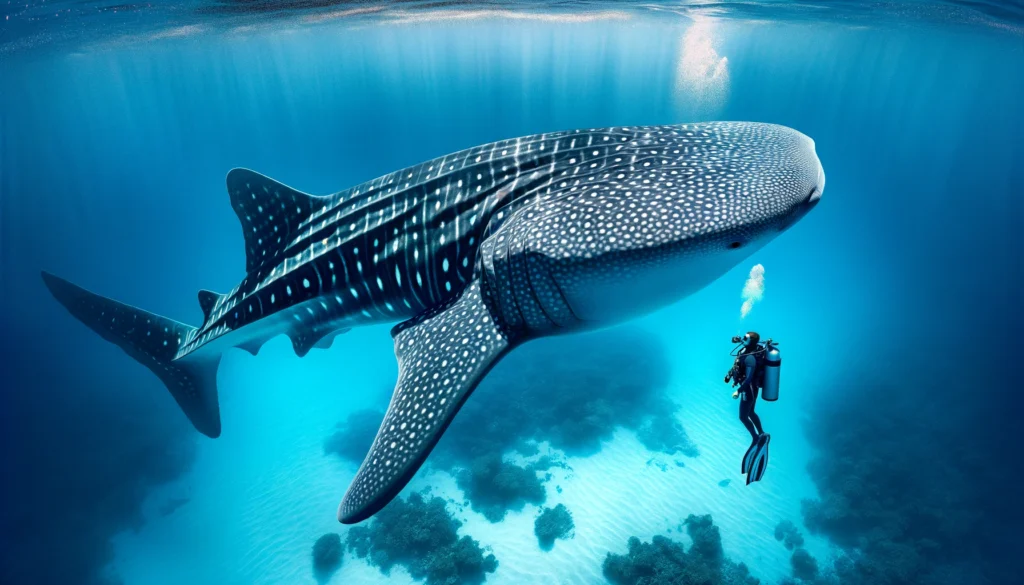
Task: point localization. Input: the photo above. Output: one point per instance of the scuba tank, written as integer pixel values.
(771, 365)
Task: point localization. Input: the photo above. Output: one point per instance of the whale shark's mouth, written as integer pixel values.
(809, 203)
(814, 196)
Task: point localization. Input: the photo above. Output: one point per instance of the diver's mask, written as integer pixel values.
(746, 340)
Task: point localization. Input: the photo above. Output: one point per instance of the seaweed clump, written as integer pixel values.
(421, 536)
(553, 523)
(495, 486)
(327, 551)
(666, 562)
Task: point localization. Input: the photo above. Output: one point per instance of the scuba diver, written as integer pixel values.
(756, 369)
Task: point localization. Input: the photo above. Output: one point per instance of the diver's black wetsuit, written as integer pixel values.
(748, 397)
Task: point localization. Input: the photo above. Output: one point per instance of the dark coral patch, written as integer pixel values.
(552, 524)
(666, 562)
(421, 536)
(327, 551)
(495, 486)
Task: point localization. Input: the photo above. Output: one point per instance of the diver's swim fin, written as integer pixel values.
(748, 457)
(759, 461)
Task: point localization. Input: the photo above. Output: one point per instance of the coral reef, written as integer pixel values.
(353, 438)
(707, 540)
(93, 435)
(787, 533)
(805, 567)
(551, 524)
(421, 536)
(495, 486)
(536, 396)
(327, 551)
(911, 490)
(171, 506)
(574, 405)
(666, 562)
(664, 434)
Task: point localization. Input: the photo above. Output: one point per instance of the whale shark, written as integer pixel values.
(473, 254)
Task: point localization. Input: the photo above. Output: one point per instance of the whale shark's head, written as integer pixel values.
(767, 178)
(686, 204)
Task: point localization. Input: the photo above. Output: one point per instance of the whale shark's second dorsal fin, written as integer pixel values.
(442, 356)
(270, 214)
(207, 301)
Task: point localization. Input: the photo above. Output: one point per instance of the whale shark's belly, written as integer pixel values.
(615, 287)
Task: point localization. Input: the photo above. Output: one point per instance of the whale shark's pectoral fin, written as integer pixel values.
(442, 355)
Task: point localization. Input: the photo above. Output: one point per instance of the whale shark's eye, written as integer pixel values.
(735, 245)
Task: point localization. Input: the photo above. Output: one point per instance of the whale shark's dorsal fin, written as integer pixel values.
(442, 355)
(207, 301)
(270, 212)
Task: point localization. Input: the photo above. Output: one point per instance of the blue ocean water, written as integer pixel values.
(897, 300)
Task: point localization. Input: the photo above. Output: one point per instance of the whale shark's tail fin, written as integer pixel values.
(153, 341)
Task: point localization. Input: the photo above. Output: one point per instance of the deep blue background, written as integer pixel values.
(113, 163)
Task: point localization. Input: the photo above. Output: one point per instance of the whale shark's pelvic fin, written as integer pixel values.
(153, 341)
(326, 341)
(442, 355)
(253, 347)
(270, 212)
(320, 338)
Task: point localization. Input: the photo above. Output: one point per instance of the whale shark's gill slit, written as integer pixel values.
(531, 263)
(565, 300)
